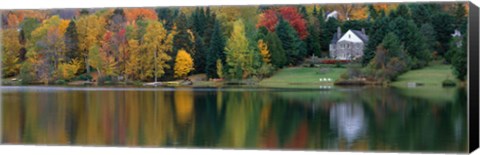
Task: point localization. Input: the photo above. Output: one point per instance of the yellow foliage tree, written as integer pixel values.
(68, 70)
(262, 46)
(11, 46)
(156, 42)
(90, 30)
(219, 68)
(183, 64)
(132, 65)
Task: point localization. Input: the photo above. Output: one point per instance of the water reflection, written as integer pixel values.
(352, 119)
(348, 121)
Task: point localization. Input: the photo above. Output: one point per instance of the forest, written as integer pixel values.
(225, 42)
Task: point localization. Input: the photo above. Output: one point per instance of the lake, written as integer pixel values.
(354, 119)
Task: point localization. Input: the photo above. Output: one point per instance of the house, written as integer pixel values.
(457, 34)
(348, 46)
(333, 14)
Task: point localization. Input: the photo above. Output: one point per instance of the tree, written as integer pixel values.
(219, 68)
(48, 41)
(200, 54)
(183, 64)
(67, 71)
(95, 59)
(270, 20)
(71, 42)
(133, 62)
(313, 39)
(132, 14)
(379, 30)
(10, 56)
(215, 52)
(157, 42)
(460, 60)
(443, 24)
(239, 56)
(278, 56)
(430, 36)
(330, 28)
(293, 46)
(263, 48)
(90, 30)
(390, 59)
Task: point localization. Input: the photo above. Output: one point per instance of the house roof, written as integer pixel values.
(359, 34)
(335, 38)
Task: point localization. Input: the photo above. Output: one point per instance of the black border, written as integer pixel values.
(473, 69)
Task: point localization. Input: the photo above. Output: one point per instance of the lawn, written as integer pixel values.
(302, 77)
(431, 76)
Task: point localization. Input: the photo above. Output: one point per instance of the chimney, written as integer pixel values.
(339, 32)
(363, 30)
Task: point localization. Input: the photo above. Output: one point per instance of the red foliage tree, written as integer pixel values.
(269, 19)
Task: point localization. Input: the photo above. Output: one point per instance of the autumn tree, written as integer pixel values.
(10, 56)
(263, 48)
(90, 29)
(67, 70)
(132, 14)
(157, 43)
(239, 55)
(270, 20)
(48, 42)
(183, 64)
(133, 62)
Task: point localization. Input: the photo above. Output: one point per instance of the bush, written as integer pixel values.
(105, 80)
(448, 83)
(60, 82)
(333, 61)
(83, 77)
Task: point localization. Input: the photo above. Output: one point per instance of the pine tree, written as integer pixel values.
(278, 56)
(71, 42)
(294, 47)
(460, 59)
(379, 30)
(200, 54)
(329, 29)
(215, 51)
(443, 24)
(313, 39)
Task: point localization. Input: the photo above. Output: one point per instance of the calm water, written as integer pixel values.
(375, 119)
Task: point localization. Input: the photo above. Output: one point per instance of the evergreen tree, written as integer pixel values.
(215, 51)
(443, 24)
(379, 30)
(294, 47)
(459, 62)
(327, 33)
(430, 36)
(71, 42)
(277, 53)
(199, 58)
(313, 39)
(416, 46)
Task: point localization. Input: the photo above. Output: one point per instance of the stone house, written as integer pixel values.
(348, 46)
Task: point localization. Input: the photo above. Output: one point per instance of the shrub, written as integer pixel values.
(448, 83)
(60, 82)
(333, 61)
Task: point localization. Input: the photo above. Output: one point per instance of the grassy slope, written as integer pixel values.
(432, 77)
(301, 77)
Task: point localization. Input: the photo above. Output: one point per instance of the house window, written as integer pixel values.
(349, 36)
